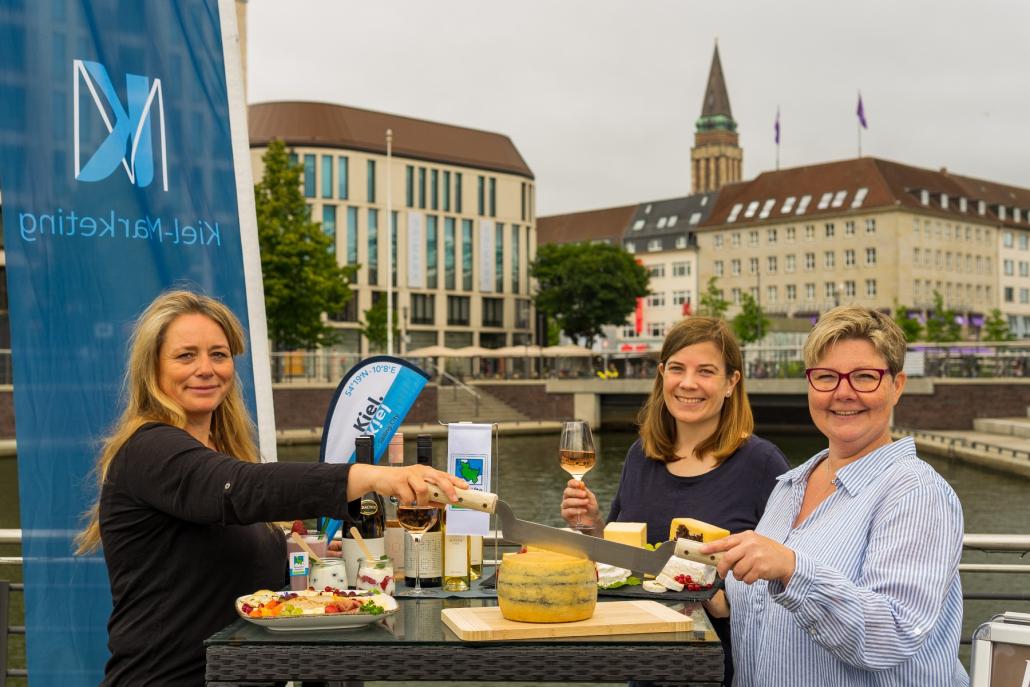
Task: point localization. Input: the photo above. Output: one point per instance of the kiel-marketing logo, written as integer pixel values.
(129, 141)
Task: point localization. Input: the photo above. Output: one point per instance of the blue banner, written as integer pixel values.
(373, 398)
(117, 181)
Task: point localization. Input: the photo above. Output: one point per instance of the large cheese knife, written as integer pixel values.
(575, 543)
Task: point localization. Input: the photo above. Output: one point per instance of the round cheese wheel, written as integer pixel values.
(545, 587)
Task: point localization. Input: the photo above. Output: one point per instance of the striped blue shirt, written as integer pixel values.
(875, 598)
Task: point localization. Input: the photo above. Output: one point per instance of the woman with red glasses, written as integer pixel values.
(851, 576)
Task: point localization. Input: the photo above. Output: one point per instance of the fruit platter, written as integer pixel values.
(328, 609)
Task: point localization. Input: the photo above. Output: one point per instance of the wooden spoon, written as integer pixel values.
(361, 543)
(299, 540)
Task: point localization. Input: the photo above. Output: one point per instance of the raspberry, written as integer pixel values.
(246, 608)
(299, 528)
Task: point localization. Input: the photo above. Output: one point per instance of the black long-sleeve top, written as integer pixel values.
(184, 534)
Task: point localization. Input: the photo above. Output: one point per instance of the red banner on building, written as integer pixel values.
(638, 322)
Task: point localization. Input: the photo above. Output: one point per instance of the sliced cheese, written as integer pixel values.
(652, 586)
(632, 533)
(607, 575)
(689, 528)
(546, 587)
(698, 572)
(669, 583)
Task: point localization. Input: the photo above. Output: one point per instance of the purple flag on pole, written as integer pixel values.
(861, 113)
(776, 128)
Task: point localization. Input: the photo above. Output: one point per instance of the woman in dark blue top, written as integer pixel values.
(696, 456)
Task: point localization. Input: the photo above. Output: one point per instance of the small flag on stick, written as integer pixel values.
(861, 112)
(776, 127)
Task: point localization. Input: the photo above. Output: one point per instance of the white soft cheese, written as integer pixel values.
(698, 572)
(607, 575)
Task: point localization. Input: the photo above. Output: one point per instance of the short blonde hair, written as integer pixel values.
(736, 423)
(232, 431)
(855, 322)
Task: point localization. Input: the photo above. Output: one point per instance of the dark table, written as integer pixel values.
(414, 644)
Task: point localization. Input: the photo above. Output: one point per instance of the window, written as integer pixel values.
(803, 205)
(631, 247)
(788, 204)
(521, 313)
(628, 332)
(791, 234)
(809, 262)
(371, 170)
(752, 207)
(681, 242)
(767, 208)
(1024, 241)
(498, 258)
(771, 294)
(329, 224)
(860, 195)
(849, 228)
(493, 312)
(434, 189)
(656, 330)
(409, 186)
(466, 255)
(638, 225)
(422, 187)
(1009, 294)
(493, 196)
(810, 292)
(828, 259)
(792, 292)
(457, 192)
(735, 295)
(809, 232)
(770, 236)
(870, 256)
(735, 267)
(327, 176)
(734, 212)
(656, 300)
(458, 310)
(830, 290)
(838, 199)
(373, 246)
(1024, 296)
(753, 265)
(752, 238)
(718, 268)
(915, 256)
(342, 178)
(516, 259)
(352, 236)
(790, 263)
(661, 222)
(1024, 268)
(423, 308)
(674, 218)
(849, 289)
(849, 258)
(681, 269)
(449, 240)
(718, 241)
(654, 245)
(680, 297)
(481, 195)
(432, 243)
(829, 230)
(735, 239)
(824, 201)
(447, 192)
(309, 176)
(870, 288)
(656, 270)
(771, 264)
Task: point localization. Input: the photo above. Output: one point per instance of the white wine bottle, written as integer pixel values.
(394, 532)
(455, 562)
(432, 540)
(475, 556)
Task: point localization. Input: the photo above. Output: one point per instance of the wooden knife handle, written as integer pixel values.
(691, 550)
(476, 500)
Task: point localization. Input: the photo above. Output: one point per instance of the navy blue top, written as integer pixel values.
(731, 496)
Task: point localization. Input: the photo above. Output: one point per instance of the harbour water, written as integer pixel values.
(531, 480)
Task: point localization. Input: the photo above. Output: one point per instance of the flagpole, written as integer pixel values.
(389, 235)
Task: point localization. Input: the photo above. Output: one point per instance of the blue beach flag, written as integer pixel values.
(373, 398)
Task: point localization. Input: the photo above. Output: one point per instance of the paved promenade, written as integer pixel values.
(1001, 444)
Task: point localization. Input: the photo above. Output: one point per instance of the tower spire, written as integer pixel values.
(716, 158)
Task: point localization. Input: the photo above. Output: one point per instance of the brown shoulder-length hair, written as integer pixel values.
(736, 423)
(232, 431)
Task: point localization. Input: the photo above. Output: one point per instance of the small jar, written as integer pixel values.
(376, 573)
(328, 572)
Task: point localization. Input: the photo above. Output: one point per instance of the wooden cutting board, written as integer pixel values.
(484, 624)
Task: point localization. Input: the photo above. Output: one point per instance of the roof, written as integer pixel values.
(716, 104)
(591, 225)
(861, 184)
(673, 216)
(339, 126)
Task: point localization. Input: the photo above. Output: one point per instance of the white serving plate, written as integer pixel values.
(332, 621)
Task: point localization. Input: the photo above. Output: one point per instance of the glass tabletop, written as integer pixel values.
(418, 621)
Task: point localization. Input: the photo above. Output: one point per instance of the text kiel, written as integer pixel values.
(370, 420)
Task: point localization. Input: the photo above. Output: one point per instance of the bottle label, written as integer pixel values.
(369, 507)
(432, 545)
(455, 556)
(299, 563)
(395, 537)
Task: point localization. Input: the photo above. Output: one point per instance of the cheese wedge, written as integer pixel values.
(632, 533)
(689, 528)
(545, 587)
(698, 572)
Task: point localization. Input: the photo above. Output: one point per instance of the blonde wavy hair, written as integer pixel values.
(736, 423)
(232, 431)
(856, 322)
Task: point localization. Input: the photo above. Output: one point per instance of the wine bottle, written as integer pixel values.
(394, 532)
(432, 540)
(475, 556)
(369, 515)
(455, 561)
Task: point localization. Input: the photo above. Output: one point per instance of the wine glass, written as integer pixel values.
(416, 520)
(577, 455)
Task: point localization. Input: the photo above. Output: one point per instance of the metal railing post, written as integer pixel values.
(5, 605)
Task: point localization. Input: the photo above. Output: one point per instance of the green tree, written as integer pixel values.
(910, 326)
(941, 325)
(712, 303)
(996, 328)
(750, 324)
(374, 327)
(585, 286)
(302, 280)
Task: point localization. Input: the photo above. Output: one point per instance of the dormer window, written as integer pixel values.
(963, 204)
(944, 201)
(981, 207)
(1001, 212)
(924, 197)
(734, 212)
(1017, 215)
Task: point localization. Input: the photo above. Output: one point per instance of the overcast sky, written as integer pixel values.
(601, 96)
